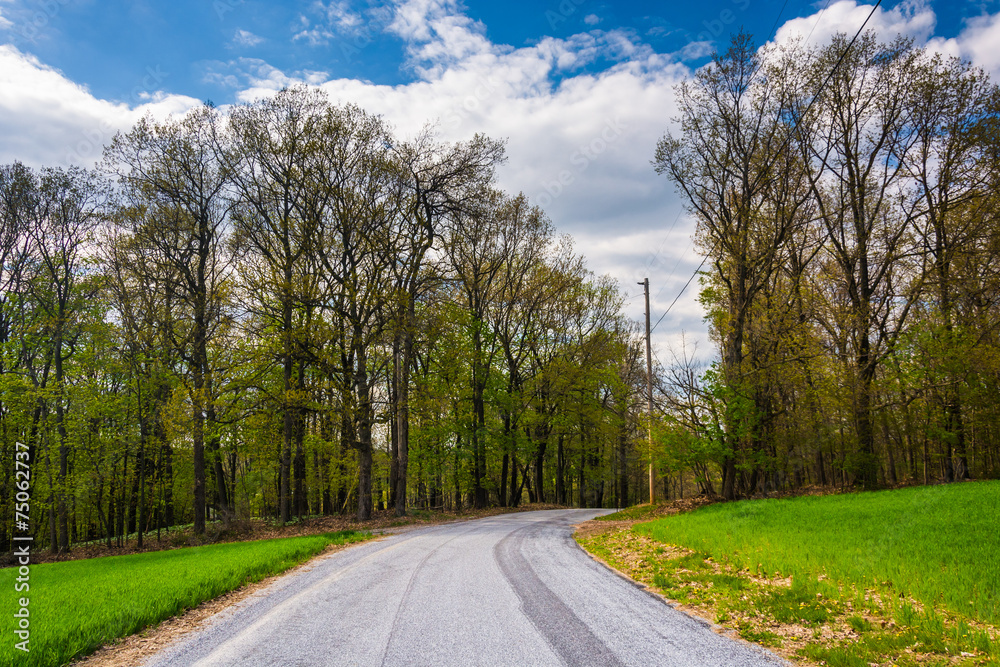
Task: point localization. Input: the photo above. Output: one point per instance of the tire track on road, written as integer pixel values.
(409, 588)
(569, 637)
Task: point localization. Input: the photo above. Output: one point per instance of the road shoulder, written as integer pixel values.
(632, 563)
(767, 610)
(135, 649)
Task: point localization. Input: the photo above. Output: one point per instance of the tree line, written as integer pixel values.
(285, 310)
(846, 199)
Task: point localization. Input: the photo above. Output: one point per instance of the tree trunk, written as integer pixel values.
(539, 472)
(560, 467)
(729, 478)
(198, 443)
(403, 418)
(514, 499)
(223, 500)
(866, 468)
(503, 479)
(393, 383)
(364, 431)
(622, 467)
(61, 481)
(956, 427)
(300, 500)
(143, 437)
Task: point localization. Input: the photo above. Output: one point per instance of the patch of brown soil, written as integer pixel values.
(593, 528)
(603, 524)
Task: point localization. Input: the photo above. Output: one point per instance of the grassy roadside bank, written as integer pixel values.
(907, 577)
(77, 606)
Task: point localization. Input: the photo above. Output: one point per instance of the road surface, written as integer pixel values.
(513, 589)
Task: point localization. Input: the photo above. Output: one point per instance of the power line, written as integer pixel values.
(788, 137)
(778, 18)
(772, 32)
(774, 27)
(663, 243)
(818, 18)
(696, 271)
(672, 272)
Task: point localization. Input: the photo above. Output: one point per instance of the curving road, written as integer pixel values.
(507, 590)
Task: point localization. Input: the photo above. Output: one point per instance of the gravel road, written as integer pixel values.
(513, 589)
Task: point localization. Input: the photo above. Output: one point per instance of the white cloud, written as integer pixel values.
(591, 19)
(329, 21)
(579, 142)
(696, 50)
(247, 38)
(50, 120)
(253, 78)
(340, 14)
(977, 42)
(5, 23)
(910, 18)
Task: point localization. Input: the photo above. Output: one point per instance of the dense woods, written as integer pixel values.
(284, 310)
(846, 197)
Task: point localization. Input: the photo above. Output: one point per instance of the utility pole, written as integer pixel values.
(649, 395)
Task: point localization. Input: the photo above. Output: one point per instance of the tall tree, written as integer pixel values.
(480, 246)
(70, 207)
(361, 245)
(178, 214)
(952, 104)
(859, 152)
(736, 166)
(272, 152)
(440, 180)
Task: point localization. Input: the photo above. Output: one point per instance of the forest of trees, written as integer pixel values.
(283, 310)
(847, 201)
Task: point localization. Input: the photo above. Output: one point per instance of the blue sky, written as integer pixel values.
(197, 44)
(108, 45)
(581, 89)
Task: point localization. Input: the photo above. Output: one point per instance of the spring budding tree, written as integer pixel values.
(844, 200)
(285, 310)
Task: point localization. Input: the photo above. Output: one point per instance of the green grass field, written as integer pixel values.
(77, 606)
(939, 545)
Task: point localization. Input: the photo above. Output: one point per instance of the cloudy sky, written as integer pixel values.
(580, 89)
